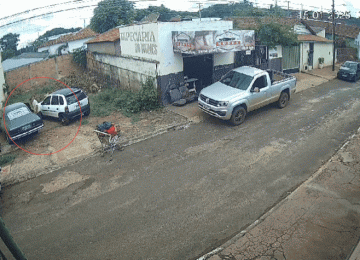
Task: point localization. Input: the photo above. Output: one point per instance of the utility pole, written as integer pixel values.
(333, 33)
(199, 10)
(288, 8)
(10, 243)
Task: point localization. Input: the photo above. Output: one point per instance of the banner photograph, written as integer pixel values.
(202, 42)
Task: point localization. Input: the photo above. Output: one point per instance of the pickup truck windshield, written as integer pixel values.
(237, 80)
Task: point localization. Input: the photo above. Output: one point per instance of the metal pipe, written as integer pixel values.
(10, 243)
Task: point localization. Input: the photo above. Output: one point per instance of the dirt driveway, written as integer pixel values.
(81, 142)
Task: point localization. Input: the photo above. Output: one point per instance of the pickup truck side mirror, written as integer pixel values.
(256, 89)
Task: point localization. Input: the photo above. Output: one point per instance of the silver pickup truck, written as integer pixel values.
(245, 89)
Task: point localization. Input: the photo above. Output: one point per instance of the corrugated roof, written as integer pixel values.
(82, 34)
(10, 64)
(29, 55)
(349, 31)
(312, 38)
(109, 36)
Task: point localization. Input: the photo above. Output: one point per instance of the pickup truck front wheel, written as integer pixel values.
(283, 100)
(238, 116)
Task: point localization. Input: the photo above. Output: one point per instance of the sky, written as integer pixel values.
(31, 19)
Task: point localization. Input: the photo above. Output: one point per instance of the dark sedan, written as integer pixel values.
(20, 122)
(350, 70)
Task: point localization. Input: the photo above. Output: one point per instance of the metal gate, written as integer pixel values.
(257, 57)
(291, 59)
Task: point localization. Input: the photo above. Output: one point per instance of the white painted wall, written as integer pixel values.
(129, 64)
(71, 46)
(357, 43)
(301, 29)
(141, 41)
(153, 42)
(324, 50)
(2, 84)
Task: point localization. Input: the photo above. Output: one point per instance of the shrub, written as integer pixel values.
(7, 159)
(112, 99)
(79, 56)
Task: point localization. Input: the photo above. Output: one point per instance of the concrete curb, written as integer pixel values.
(319, 76)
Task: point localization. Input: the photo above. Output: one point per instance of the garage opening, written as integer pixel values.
(198, 70)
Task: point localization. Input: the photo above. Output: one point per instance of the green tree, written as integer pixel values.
(79, 56)
(273, 34)
(7, 54)
(9, 43)
(111, 13)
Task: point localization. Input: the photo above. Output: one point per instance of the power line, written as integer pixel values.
(69, 2)
(40, 15)
(38, 8)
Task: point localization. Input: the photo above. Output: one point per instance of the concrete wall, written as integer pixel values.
(110, 48)
(55, 68)
(130, 73)
(323, 50)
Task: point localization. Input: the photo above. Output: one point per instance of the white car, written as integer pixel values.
(64, 105)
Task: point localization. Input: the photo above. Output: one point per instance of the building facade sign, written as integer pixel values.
(202, 42)
(139, 41)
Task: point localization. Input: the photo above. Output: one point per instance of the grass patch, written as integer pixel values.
(84, 122)
(7, 159)
(128, 102)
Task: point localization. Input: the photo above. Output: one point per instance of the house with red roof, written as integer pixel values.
(106, 43)
(347, 33)
(313, 45)
(68, 43)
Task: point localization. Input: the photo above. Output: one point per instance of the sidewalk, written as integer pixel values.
(319, 220)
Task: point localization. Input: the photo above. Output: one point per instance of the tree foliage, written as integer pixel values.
(79, 56)
(7, 54)
(111, 13)
(273, 34)
(165, 13)
(9, 43)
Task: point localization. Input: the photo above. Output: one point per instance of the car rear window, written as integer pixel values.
(19, 112)
(71, 99)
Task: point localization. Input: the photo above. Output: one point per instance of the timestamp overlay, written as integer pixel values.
(326, 15)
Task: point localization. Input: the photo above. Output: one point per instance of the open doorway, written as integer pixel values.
(199, 68)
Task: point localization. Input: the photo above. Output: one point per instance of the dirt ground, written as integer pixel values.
(58, 136)
(57, 145)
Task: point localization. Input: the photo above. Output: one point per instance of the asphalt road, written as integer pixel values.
(183, 193)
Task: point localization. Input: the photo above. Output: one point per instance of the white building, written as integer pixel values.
(68, 43)
(174, 52)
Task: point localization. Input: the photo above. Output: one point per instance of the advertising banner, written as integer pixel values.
(202, 42)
